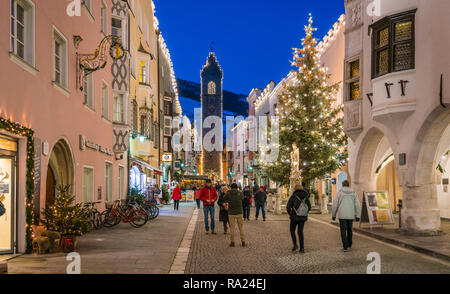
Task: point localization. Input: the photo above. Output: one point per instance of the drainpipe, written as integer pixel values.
(441, 92)
(158, 32)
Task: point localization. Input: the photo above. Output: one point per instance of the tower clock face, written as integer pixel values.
(211, 109)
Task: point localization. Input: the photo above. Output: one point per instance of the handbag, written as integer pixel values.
(226, 206)
(2, 209)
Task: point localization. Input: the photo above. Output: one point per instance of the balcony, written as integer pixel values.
(394, 96)
(394, 99)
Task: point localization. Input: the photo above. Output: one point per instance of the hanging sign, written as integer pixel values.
(167, 158)
(376, 208)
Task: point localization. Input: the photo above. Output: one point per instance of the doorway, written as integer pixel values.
(50, 188)
(7, 197)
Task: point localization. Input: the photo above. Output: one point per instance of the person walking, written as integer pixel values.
(223, 213)
(208, 195)
(260, 202)
(347, 207)
(234, 198)
(197, 196)
(247, 202)
(298, 208)
(176, 196)
(156, 194)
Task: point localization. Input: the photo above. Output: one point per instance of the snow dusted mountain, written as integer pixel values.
(189, 94)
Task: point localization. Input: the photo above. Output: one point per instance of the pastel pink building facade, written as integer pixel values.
(80, 136)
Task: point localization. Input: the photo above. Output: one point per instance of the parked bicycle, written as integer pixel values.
(150, 206)
(136, 216)
(93, 214)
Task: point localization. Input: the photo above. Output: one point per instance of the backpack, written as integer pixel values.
(2, 209)
(302, 209)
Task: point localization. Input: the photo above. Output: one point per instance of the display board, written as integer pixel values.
(376, 208)
(190, 195)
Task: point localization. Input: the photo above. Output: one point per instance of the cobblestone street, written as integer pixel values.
(269, 252)
(152, 250)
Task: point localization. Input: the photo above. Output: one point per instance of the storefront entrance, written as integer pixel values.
(8, 150)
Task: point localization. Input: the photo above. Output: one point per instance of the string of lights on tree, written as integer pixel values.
(23, 131)
(309, 117)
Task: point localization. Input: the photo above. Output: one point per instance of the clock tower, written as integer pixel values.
(212, 105)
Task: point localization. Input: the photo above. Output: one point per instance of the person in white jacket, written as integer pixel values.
(346, 206)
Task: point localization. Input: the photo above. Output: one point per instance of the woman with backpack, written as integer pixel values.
(298, 208)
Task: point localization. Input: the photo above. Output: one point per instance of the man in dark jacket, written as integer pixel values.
(246, 203)
(234, 198)
(299, 196)
(260, 202)
(208, 195)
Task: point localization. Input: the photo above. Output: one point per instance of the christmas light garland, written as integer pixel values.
(20, 130)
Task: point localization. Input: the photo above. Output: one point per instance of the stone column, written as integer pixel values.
(324, 205)
(278, 204)
(269, 202)
(420, 212)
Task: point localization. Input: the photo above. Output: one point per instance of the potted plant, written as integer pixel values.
(67, 218)
(165, 195)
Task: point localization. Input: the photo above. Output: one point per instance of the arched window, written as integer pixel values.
(211, 88)
(145, 124)
(135, 117)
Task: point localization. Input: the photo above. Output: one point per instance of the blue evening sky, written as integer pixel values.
(253, 38)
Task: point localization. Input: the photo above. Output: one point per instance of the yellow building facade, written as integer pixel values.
(144, 119)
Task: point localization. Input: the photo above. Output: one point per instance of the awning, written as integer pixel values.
(147, 166)
(196, 178)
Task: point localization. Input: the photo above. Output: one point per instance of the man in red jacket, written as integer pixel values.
(208, 195)
(176, 196)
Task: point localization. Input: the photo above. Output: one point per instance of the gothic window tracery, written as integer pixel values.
(211, 88)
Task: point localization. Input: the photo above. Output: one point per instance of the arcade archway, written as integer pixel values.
(60, 171)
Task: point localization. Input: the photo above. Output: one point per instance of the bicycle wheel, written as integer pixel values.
(155, 212)
(109, 219)
(138, 218)
(97, 220)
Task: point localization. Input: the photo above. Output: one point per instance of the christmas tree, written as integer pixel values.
(310, 118)
(64, 216)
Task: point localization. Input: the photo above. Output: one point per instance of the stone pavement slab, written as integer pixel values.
(119, 250)
(269, 252)
(436, 246)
